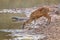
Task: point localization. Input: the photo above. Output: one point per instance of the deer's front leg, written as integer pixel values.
(27, 22)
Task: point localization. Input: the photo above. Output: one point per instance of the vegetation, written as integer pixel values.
(6, 21)
(25, 3)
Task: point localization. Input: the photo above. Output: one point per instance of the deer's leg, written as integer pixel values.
(34, 22)
(27, 22)
(48, 17)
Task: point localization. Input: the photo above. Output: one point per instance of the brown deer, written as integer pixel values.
(37, 14)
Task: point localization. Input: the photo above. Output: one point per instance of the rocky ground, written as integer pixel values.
(52, 30)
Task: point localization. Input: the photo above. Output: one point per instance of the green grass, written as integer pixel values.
(25, 3)
(7, 23)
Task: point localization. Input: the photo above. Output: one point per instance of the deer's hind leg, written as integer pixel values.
(49, 18)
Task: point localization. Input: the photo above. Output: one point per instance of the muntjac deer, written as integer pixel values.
(37, 14)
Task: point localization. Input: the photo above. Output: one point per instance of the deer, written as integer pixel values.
(43, 11)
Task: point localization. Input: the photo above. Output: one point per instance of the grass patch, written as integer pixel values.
(6, 21)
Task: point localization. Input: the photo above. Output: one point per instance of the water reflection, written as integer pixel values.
(16, 34)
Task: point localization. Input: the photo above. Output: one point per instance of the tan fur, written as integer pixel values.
(37, 14)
